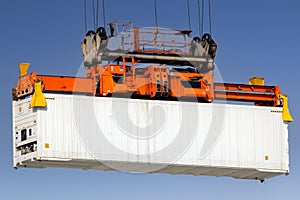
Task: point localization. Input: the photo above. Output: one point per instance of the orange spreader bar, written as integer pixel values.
(260, 95)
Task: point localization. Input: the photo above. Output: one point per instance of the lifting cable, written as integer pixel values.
(94, 17)
(209, 17)
(189, 15)
(97, 12)
(202, 18)
(155, 13)
(103, 12)
(201, 15)
(199, 23)
(84, 13)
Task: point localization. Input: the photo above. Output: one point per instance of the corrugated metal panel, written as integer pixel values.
(158, 136)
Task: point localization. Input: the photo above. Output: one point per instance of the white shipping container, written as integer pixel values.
(73, 131)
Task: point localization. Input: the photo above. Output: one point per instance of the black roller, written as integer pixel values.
(102, 33)
(212, 45)
(90, 32)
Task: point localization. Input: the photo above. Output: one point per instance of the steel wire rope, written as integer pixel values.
(156, 24)
(103, 13)
(155, 13)
(189, 15)
(97, 12)
(210, 20)
(94, 19)
(202, 18)
(199, 17)
(84, 13)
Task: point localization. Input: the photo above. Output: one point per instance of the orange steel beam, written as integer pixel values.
(251, 93)
(66, 84)
(247, 88)
(244, 96)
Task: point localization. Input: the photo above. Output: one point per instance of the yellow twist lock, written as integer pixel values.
(257, 81)
(23, 68)
(38, 98)
(286, 116)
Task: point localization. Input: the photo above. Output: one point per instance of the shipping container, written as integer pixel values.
(155, 136)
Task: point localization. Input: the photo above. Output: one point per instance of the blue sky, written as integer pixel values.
(255, 38)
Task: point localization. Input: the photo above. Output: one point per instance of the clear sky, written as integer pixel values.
(255, 38)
